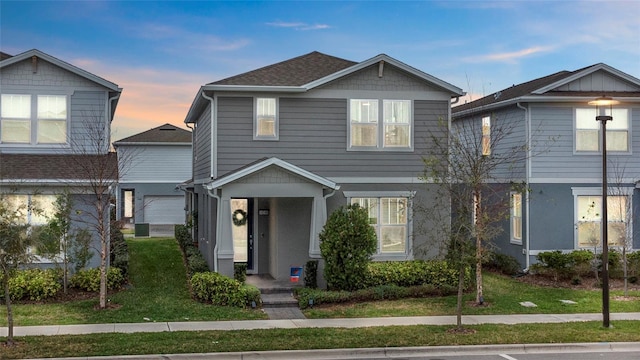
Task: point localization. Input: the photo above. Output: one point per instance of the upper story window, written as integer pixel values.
(587, 130)
(265, 125)
(486, 135)
(33, 119)
(368, 131)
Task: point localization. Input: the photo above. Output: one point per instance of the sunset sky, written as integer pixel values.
(161, 52)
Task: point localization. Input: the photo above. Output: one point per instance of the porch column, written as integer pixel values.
(225, 243)
(318, 219)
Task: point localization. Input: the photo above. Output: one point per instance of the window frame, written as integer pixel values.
(408, 196)
(36, 220)
(381, 125)
(626, 192)
(598, 129)
(486, 135)
(276, 121)
(34, 121)
(514, 226)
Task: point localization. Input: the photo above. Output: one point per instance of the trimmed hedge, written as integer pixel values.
(119, 251)
(34, 284)
(583, 263)
(89, 280)
(221, 290)
(413, 273)
(383, 292)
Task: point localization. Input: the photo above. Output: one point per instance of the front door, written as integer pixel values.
(243, 240)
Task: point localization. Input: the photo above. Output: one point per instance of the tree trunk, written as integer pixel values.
(7, 298)
(624, 268)
(479, 295)
(104, 252)
(460, 293)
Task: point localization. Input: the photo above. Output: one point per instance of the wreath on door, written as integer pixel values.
(239, 217)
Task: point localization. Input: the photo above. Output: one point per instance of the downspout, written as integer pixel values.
(214, 195)
(527, 115)
(214, 140)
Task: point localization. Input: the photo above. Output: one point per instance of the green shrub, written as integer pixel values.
(240, 272)
(89, 280)
(581, 262)
(554, 263)
(311, 274)
(34, 284)
(183, 236)
(633, 263)
(307, 296)
(119, 251)
(505, 264)
(218, 289)
(411, 273)
(347, 243)
(251, 294)
(195, 260)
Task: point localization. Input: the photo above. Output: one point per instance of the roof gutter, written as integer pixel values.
(252, 88)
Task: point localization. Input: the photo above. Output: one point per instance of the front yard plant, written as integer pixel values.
(221, 290)
(347, 243)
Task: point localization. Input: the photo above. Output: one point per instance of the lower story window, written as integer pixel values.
(388, 216)
(516, 217)
(35, 210)
(589, 213)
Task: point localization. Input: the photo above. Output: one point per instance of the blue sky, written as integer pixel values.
(161, 52)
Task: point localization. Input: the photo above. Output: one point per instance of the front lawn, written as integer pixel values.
(157, 291)
(502, 296)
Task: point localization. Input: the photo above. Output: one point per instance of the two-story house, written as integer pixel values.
(152, 163)
(563, 166)
(279, 148)
(54, 134)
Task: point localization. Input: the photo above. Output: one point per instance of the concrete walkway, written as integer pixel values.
(308, 323)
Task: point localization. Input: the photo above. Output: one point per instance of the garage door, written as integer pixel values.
(164, 209)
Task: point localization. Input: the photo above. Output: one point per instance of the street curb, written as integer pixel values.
(367, 353)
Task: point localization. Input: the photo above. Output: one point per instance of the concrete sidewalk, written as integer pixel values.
(308, 323)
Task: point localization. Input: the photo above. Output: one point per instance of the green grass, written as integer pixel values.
(158, 291)
(314, 338)
(502, 294)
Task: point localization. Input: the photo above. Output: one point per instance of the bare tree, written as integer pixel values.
(96, 170)
(477, 162)
(621, 216)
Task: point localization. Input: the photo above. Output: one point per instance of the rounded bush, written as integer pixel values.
(34, 284)
(217, 289)
(347, 243)
(89, 280)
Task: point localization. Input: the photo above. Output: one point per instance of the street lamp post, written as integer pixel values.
(603, 118)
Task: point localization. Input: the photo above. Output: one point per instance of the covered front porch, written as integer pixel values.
(269, 215)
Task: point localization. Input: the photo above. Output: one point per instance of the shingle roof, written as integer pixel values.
(58, 167)
(529, 88)
(514, 91)
(166, 133)
(293, 72)
(4, 56)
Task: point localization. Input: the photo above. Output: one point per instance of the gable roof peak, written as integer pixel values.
(166, 133)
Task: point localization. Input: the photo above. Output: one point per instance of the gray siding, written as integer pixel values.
(560, 162)
(155, 163)
(598, 81)
(87, 122)
(367, 79)
(313, 135)
(202, 146)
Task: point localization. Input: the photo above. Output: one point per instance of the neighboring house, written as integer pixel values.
(279, 148)
(152, 163)
(54, 132)
(562, 209)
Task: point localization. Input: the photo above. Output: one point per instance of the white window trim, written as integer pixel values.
(380, 127)
(409, 195)
(33, 121)
(514, 240)
(595, 191)
(629, 134)
(276, 125)
(486, 149)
